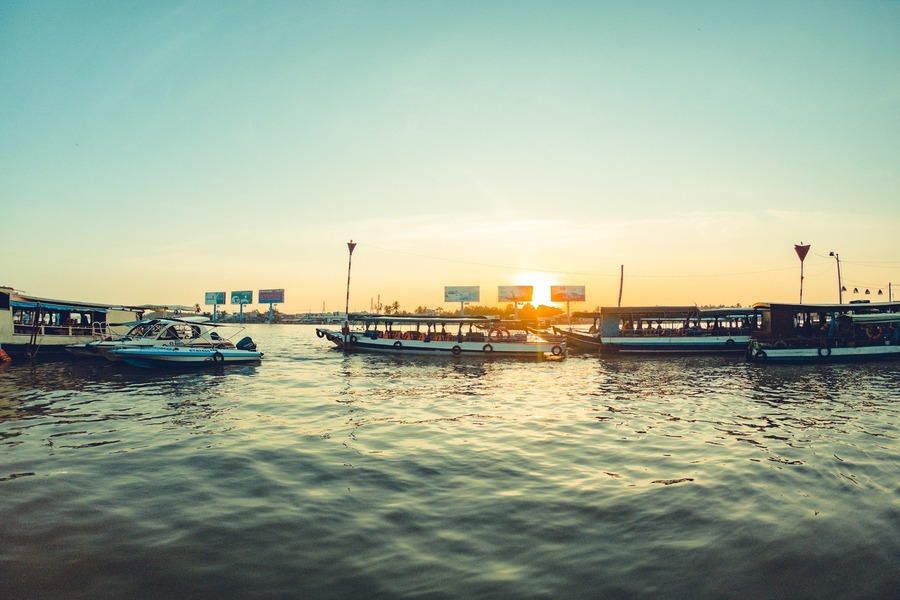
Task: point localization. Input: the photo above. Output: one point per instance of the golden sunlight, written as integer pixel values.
(541, 283)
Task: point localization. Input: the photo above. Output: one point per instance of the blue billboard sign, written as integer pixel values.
(242, 297)
(215, 298)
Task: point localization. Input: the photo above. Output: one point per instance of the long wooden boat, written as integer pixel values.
(31, 326)
(451, 336)
(580, 337)
(665, 330)
(816, 333)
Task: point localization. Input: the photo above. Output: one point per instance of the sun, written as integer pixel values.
(541, 283)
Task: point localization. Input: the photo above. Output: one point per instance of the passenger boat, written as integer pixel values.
(452, 336)
(31, 326)
(188, 356)
(859, 331)
(196, 332)
(664, 330)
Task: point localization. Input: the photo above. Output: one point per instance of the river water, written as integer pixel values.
(320, 475)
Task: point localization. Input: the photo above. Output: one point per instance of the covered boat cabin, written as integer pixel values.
(811, 325)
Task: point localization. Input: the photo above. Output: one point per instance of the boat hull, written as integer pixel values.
(763, 353)
(178, 357)
(676, 345)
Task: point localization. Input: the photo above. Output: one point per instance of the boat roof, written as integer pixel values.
(421, 319)
(649, 311)
(869, 307)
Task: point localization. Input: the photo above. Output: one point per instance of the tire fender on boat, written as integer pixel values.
(761, 355)
(556, 350)
(218, 357)
(729, 343)
(320, 333)
(398, 345)
(352, 339)
(780, 344)
(824, 352)
(456, 350)
(487, 348)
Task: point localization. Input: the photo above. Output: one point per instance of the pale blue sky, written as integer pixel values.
(150, 152)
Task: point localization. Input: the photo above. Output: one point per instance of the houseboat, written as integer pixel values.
(452, 336)
(803, 333)
(664, 330)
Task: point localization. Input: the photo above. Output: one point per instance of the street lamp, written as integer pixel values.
(840, 287)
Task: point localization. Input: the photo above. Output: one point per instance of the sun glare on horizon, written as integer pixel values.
(541, 283)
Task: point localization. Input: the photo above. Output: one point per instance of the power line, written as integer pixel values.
(584, 274)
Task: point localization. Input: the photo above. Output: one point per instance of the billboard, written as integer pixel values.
(271, 296)
(515, 293)
(243, 297)
(215, 298)
(462, 293)
(567, 293)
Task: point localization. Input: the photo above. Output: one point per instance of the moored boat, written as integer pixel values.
(452, 336)
(804, 333)
(31, 326)
(188, 356)
(197, 332)
(672, 330)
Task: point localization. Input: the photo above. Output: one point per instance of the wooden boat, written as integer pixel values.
(452, 336)
(188, 356)
(579, 338)
(803, 333)
(31, 326)
(665, 330)
(197, 332)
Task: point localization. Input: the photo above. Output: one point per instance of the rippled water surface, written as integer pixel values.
(320, 475)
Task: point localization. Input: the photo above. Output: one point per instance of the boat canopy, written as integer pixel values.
(423, 319)
(876, 318)
(853, 307)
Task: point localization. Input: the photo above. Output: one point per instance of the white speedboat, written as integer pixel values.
(451, 336)
(188, 356)
(803, 333)
(196, 332)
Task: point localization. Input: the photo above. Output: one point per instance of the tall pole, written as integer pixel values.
(350, 246)
(840, 285)
(621, 282)
(801, 251)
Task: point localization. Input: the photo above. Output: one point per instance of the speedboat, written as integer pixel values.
(195, 332)
(187, 356)
(451, 336)
(798, 333)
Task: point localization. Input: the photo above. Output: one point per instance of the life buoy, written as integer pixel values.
(824, 352)
(487, 348)
(398, 345)
(218, 357)
(556, 350)
(456, 350)
(320, 333)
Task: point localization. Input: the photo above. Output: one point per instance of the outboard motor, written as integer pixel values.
(246, 344)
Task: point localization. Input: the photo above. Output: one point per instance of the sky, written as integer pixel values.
(154, 151)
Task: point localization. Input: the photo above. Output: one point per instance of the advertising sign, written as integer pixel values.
(215, 298)
(515, 293)
(243, 297)
(462, 293)
(567, 293)
(271, 296)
